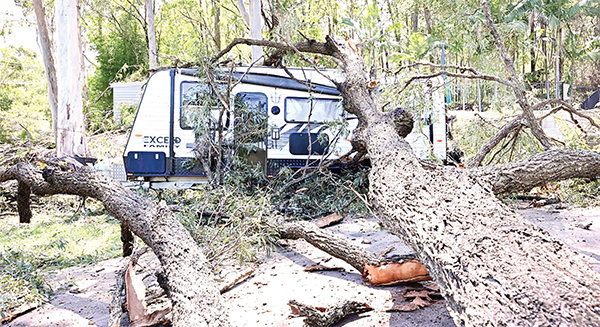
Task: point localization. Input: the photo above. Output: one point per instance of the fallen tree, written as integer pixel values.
(494, 268)
(185, 274)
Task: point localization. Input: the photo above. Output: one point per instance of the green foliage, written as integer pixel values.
(320, 193)
(57, 237)
(581, 192)
(23, 95)
(20, 281)
(228, 222)
(122, 55)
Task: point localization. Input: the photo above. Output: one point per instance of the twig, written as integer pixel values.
(230, 285)
(467, 76)
(432, 65)
(303, 57)
(485, 121)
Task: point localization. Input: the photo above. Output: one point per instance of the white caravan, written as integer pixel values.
(161, 143)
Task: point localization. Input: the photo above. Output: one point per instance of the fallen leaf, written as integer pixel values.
(415, 304)
(416, 294)
(421, 302)
(432, 287)
(322, 309)
(301, 190)
(295, 310)
(329, 220)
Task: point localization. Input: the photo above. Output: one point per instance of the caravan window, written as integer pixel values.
(298, 110)
(196, 97)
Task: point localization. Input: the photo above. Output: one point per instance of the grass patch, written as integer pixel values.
(54, 239)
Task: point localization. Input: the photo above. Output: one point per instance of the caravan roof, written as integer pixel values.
(277, 77)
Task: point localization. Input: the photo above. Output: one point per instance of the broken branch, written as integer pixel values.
(333, 314)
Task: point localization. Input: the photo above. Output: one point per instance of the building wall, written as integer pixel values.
(125, 94)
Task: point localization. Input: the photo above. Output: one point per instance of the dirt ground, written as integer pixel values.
(83, 293)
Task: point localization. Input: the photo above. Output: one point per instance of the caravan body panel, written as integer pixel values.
(304, 126)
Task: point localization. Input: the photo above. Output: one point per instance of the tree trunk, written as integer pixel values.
(46, 47)
(532, 40)
(152, 50)
(24, 203)
(549, 166)
(492, 265)
(70, 137)
(189, 281)
(256, 28)
(217, 24)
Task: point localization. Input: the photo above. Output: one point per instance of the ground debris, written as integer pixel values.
(329, 220)
(318, 267)
(393, 273)
(20, 310)
(323, 317)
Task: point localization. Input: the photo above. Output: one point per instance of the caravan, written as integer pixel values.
(305, 116)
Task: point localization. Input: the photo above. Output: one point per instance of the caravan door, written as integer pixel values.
(251, 126)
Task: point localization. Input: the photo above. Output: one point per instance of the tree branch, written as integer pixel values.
(549, 166)
(190, 284)
(567, 107)
(432, 65)
(528, 115)
(467, 76)
(504, 132)
(310, 46)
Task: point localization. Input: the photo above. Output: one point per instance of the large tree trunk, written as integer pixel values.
(494, 267)
(46, 47)
(70, 137)
(188, 280)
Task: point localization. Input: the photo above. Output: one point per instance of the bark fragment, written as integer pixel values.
(394, 273)
(317, 317)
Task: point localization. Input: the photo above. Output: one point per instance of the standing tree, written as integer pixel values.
(70, 137)
(152, 50)
(46, 47)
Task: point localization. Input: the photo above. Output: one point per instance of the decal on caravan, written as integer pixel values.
(162, 141)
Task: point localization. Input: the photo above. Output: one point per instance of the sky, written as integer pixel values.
(21, 34)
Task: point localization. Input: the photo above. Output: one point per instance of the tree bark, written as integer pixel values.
(329, 242)
(317, 318)
(46, 47)
(24, 202)
(492, 265)
(70, 137)
(549, 166)
(190, 285)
